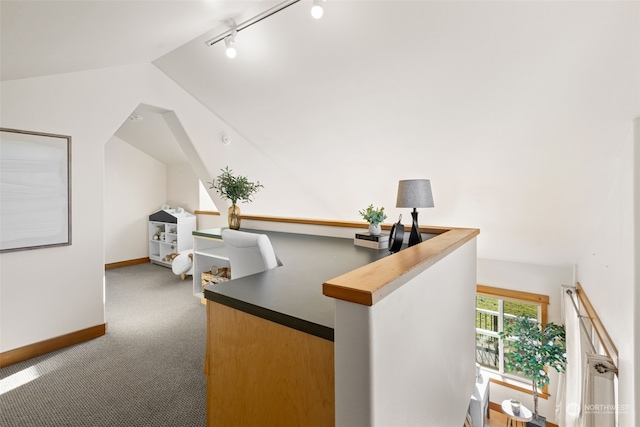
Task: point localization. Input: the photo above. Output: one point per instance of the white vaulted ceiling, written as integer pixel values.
(515, 110)
(40, 38)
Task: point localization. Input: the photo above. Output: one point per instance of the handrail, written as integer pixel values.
(372, 282)
(604, 338)
(327, 222)
(369, 284)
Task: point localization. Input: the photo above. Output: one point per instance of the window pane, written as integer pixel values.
(508, 347)
(487, 302)
(487, 350)
(521, 309)
(487, 313)
(513, 309)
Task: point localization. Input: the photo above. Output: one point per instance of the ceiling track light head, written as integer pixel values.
(317, 9)
(229, 35)
(230, 44)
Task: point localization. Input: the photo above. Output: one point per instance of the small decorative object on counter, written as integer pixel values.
(373, 241)
(237, 189)
(374, 216)
(396, 236)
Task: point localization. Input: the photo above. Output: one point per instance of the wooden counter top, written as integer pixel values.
(316, 267)
(292, 293)
(372, 282)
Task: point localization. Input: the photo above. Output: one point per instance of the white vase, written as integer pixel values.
(375, 229)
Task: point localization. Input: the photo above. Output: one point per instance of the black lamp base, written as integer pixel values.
(415, 237)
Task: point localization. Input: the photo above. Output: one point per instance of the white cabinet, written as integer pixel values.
(208, 251)
(169, 232)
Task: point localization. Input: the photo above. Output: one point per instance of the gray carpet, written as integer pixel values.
(146, 371)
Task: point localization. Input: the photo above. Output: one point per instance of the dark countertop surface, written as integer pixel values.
(291, 294)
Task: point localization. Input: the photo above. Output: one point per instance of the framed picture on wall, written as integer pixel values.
(35, 190)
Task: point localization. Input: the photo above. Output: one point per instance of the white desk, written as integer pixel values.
(479, 406)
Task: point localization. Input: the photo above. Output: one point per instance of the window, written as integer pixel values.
(495, 308)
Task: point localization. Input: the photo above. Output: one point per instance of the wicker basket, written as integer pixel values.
(215, 275)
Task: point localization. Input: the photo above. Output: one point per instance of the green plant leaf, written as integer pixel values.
(234, 188)
(535, 347)
(373, 215)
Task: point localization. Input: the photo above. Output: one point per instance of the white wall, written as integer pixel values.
(134, 187)
(526, 277)
(67, 294)
(512, 130)
(540, 279)
(636, 272)
(182, 187)
(607, 271)
(89, 106)
(409, 359)
(137, 185)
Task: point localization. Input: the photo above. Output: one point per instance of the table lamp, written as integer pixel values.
(414, 193)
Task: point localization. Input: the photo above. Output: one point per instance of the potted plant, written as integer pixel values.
(374, 216)
(535, 348)
(237, 189)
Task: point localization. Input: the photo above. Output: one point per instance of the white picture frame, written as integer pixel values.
(35, 190)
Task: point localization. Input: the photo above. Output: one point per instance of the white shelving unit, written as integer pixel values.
(208, 251)
(169, 232)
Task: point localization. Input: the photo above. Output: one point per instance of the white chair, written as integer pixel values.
(249, 253)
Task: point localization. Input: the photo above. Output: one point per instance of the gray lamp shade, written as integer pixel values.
(414, 193)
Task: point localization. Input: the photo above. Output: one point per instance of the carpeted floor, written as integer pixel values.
(146, 371)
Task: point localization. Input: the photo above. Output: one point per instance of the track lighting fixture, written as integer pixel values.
(317, 9)
(229, 36)
(230, 44)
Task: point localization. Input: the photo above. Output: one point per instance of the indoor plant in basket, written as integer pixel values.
(237, 189)
(374, 216)
(533, 348)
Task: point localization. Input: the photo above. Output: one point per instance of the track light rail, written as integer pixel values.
(249, 22)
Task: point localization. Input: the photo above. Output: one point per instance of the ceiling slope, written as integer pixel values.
(44, 37)
(515, 110)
